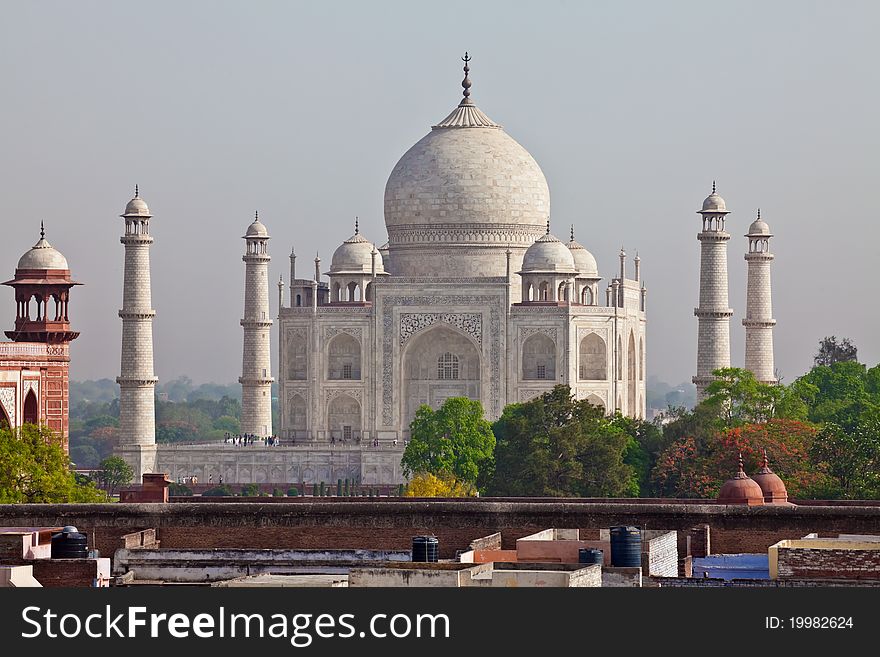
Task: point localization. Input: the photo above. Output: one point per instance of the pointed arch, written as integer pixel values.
(544, 291)
(344, 418)
(619, 358)
(5, 422)
(593, 359)
(587, 296)
(438, 363)
(539, 358)
(631, 374)
(31, 408)
(595, 400)
(297, 358)
(297, 414)
(344, 358)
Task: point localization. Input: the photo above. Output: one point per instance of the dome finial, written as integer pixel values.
(136, 191)
(713, 186)
(466, 83)
(256, 216)
(572, 232)
(765, 462)
(42, 230)
(759, 214)
(357, 229)
(740, 463)
(548, 225)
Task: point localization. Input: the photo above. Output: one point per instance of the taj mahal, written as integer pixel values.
(472, 295)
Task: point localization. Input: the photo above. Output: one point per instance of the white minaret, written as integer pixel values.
(137, 383)
(759, 320)
(713, 314)
(256, 375)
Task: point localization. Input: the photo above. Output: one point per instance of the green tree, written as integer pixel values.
(454, 440)
(850, 458)
(36, 469)
(831, 351)
(227, 423)
(84, 456)
(645, 444)
(557, 446)
(114, 473)
(738, 398)
(843, 393)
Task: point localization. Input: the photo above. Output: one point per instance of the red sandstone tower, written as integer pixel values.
(34, 383)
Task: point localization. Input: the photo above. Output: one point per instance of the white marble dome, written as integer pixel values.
(136, 207)
(759, 227)
(43, 255)
(584, 261)
(461, 196)
(257, 229)
(355, 255)
(548, 255)
(714, 203)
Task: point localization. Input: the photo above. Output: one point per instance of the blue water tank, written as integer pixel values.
(69, 544)
(425, 549)
(591, 555)
(626, 547)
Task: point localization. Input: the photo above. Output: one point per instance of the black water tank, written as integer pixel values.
(425, 549)
(591, 555)
(626, 547)
(70, 544)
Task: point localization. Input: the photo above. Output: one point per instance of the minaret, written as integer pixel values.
(256, 375)
(137, 383)
(713, 314)
(759, 320)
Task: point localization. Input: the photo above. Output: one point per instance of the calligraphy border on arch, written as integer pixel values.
(412, 323)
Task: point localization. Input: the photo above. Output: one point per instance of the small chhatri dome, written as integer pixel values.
(355, 255)
(42, 255)
(136, 207)
(771, 485)
(257, 229)
(759, 228)
(584, 262)
(549, 255)
(741, 489)
(713, 202)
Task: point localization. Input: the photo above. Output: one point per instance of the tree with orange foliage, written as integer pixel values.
(698, 468)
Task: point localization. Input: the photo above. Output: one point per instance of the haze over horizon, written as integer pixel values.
(301, 110)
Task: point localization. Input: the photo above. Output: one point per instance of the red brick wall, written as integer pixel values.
(65, 572)
(806, 563)
(391, 523)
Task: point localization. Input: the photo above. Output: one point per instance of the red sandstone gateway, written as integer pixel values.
(34, 366)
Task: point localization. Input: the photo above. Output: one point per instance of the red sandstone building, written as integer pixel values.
(34, 381)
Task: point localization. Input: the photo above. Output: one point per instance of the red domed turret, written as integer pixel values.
(771, 485)
(741, 489)
(43, 276)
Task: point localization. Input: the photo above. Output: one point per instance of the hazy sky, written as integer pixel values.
(301, 109)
